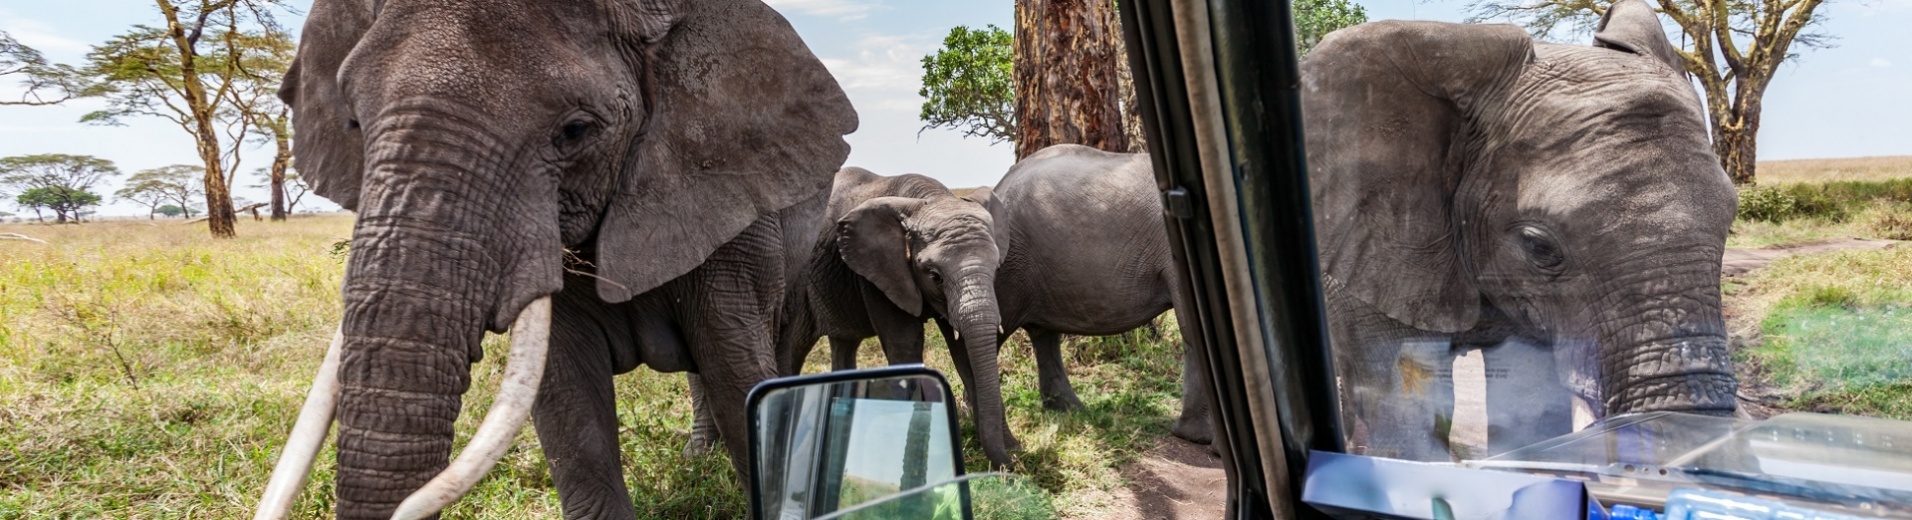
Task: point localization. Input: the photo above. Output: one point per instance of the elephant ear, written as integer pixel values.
(980, 195)
(329, 156)
(1631, 26)
(744, 122)
(876, 244)
(1386, 103)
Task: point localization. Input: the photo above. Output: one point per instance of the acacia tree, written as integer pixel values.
(58, 182)
(177, 185)
(287, 189)
(62, 200)
(255, 97)
(45, 83)
(190, 72)
(143, 195)
(1733, 47)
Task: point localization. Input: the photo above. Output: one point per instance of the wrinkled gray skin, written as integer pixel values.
(666, 143)
(897, 252)
(1558, 206)
(1085, 252)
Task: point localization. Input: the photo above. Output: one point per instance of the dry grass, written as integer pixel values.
(147, 371)
(1829, 170)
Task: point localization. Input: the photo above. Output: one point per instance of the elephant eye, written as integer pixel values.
(1541, 248)
(575, 132)
(935, 277)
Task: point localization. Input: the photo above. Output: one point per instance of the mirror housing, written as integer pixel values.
(826, 442)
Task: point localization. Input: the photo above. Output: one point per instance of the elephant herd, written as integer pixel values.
(661, 183)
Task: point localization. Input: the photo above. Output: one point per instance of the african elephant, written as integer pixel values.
(1085, 251)
(894, 253)
(623, 167)
(1557, 206)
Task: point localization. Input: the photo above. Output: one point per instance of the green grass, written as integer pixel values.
(147, 371)
(1836, 331)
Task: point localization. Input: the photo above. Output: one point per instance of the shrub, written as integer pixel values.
(1767, 204)
(1890, 220)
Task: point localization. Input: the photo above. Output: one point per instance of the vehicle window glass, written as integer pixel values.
(1523, 229)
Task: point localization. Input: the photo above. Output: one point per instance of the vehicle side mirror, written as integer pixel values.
(827, 442)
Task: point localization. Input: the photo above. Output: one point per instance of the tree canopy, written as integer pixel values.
(45, 83)
(1314, 19)
(1733, 47)
(968, 85)
(65, 202)
(77, 172)
(177, 185)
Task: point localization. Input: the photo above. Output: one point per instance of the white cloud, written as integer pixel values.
(1881, 63)
(41, 36)
(885, 73)
(839, 9)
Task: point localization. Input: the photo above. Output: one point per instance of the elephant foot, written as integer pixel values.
(1067, 403)
(1198, 432)
(701, 445)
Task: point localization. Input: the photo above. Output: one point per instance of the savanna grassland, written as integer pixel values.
(1828, 332)
(147, 371)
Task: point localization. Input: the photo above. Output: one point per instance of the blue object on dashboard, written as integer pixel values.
(1626, 512)
(1700, 504)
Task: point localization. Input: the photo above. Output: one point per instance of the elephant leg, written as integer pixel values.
(576, 419)
(1052, 377)
(1197, 422)
(1526, 403)
(703, 427)
(902, 342)
(843, 352)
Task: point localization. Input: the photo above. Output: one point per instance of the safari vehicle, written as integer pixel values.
(1218, 83)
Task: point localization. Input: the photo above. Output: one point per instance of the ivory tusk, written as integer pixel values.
(524, 369)
(1582, 413)
(959, 335)
(308, 434)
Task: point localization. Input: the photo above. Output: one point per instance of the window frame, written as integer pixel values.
(1216, 84)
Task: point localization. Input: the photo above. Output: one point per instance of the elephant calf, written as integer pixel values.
(1085, 251)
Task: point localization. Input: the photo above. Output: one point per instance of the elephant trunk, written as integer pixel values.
(974, 314)
(413, 326)
(1669, 353)
(423, 285)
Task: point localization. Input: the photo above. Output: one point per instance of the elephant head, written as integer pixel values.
(479, 140)
(1463, 173)
(937, 254)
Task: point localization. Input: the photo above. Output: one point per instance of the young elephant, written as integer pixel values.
(895, 252)
(1558, 206)
(1085, 251)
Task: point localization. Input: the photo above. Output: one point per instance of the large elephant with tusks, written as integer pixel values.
(610, 180)
(1556, 207)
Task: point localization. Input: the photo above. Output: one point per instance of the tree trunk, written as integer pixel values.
(279, 163)
(1067, 85)
(1735, 137)
(219, 211)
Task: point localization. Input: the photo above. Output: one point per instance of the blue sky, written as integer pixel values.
(1851, 100)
